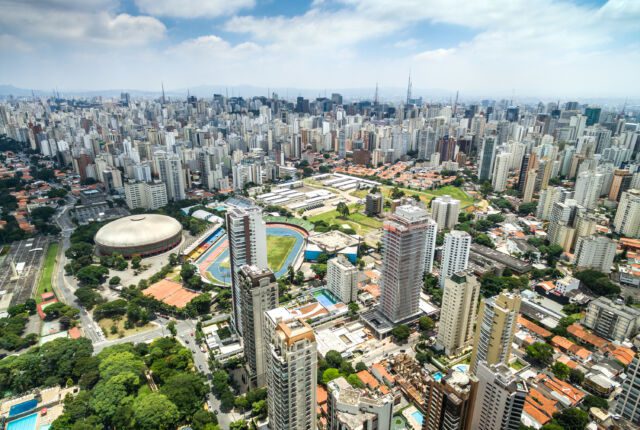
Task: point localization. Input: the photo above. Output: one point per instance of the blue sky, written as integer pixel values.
(545, 48)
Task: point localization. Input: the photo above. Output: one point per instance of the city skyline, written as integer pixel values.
(444, 46)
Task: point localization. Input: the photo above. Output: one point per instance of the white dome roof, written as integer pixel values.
(138, 230)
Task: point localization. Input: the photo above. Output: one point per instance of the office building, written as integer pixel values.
(430, 245)
(258, 294)
(403, 260)
(291, 377)
(612, 320)
(588, 188)
(501, 171)
(342, 279)
(595, 252)
(445, 211)
(145, 195)
(172, 174)
(500, 398)
(627, 220)
(455, 256)
(357, 408)
(449, 402)
(373, 204)
(494, 329)
(247, 235)
(486, 157)
(458, 312)
(628, 401)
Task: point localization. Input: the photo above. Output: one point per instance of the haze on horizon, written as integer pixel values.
(545, 48)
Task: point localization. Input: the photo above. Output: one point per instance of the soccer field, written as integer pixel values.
(278, 248)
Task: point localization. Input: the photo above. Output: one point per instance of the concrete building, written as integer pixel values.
(172, 174)
(500, 398)
(145, 195)
(374, 204)
(495, 328)
(628, 402)
(449, 402)
(258, 294)
(291, 377)
(548, 197)
(403, 260)
(350, 408)
(486, 157)
(621, 183)
(342, 279)
(445, 211)
(627, 220)
(595, 252)
(455, 257)
(501, 171)
(612, 320)
(247, 235)
(588, 188)
(430, 245)
(563, 214)
(458, 312)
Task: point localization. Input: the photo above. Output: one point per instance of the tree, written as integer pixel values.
(527, 208)
(259, 409)
(320, 270)
(426, 324)
(333, 358)
(155, 412)
(355, 381)
(360, 366)
(87, 297)
(423, 356)
(484, 240)
(186, 390)
(396, 193)
(115, 280)
(560, 370)
(92, 275)
(171, 326)
(329, 375)
(541, 353)
(299, 279)
(572, 418)
(401, 333)
(342, 209)
(591, 401)
(353, 309)
(135, 261)
(576, 377)
(79, 249)
(238, 425)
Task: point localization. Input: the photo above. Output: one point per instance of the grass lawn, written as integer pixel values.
(517, 365)
(359, 222)
(427, 196)
(106, 324)
(278, 248)
(44, 285)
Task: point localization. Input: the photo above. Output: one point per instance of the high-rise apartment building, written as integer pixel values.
(247, 236)
(628, 401)
(445, 211)
(291, 377)
(486, 158)
(595, 252)
(548, 197)
(172, 174)
(501, 171)
(455, 256)
(258, 294)
(430, 245)
(500, 398)
(342, 279)
(373, 204)
(449, 402)
(627, 220)
(612, 320)
(588, 188)
(357, 408)
(403, 260)
(458, 312)
(145, 195)
(495, 327)
(621, 183)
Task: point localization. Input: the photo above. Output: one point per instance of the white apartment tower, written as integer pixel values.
(595, 252)
(291, 377)
(455, 257)
(147, 195)
(247, 235)
(628, 402)
(172, 174)
(501, 171)
(430, 245)
(403, 259)
(627, 220)
(445, 210)
(588, 188)
(342, 279)
(458, 312)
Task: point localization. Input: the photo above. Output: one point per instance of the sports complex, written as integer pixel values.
(285, 247)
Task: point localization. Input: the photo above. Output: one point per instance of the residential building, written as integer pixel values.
(342, 279)
(611, 320)
(172, 174)
(486, 158)
(430, 245)
(403, 261)
(449, 402)
(145, 195)
(628, 401)
(495, 328)
(373, 204)
(291, 377)
(595, 252)
(247, 236)
(455, 256)
(258, 294)
(445, 211)
(458, 312)
(588, 187)
(500, 398)
(627, 220)
(548, 197)
(621, 183)
(357, 408)
(501, 171)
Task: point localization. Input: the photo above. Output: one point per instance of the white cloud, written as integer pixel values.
(11, 43)
(193, 8)
(213, 45)
(435, 54)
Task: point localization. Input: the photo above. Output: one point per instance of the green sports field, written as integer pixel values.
(278, 248)
(44, 285)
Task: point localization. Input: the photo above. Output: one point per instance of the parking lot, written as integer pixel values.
(21, 267)
(97, 212)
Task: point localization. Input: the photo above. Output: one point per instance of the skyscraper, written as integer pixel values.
(628, 402)
(403, 261)
(455, 256)
(247, 236)
(172, 174)
(500, 398)
(342, 279)
(595, 252)
(548, 197)
(501, 172)
(258, 294)
(445, 211)
(495, 327)
(291, 377)
(458, 312)
(430, 245)
(485, 160)
(588, 187)
(627, 220)
(621, 183)
(449, 402)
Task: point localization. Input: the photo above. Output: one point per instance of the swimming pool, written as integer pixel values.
(22, 407)
(417, 416)
(324, 298)
(24, 423)
(437, 376)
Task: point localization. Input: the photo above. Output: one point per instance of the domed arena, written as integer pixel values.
(144, 235)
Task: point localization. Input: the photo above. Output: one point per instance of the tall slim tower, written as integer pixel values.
(458, 312)
(403, 262)
(430, 245)
(449, 402)
(628, 405)
(247, 235)
(455, 258)
(342, 279)
(501, 171)
(485, 160)
(258, 294)
(172, 174)
(409, 89)
(494, 329)
(291, 377)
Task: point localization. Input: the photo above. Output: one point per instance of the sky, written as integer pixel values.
(541, 48)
